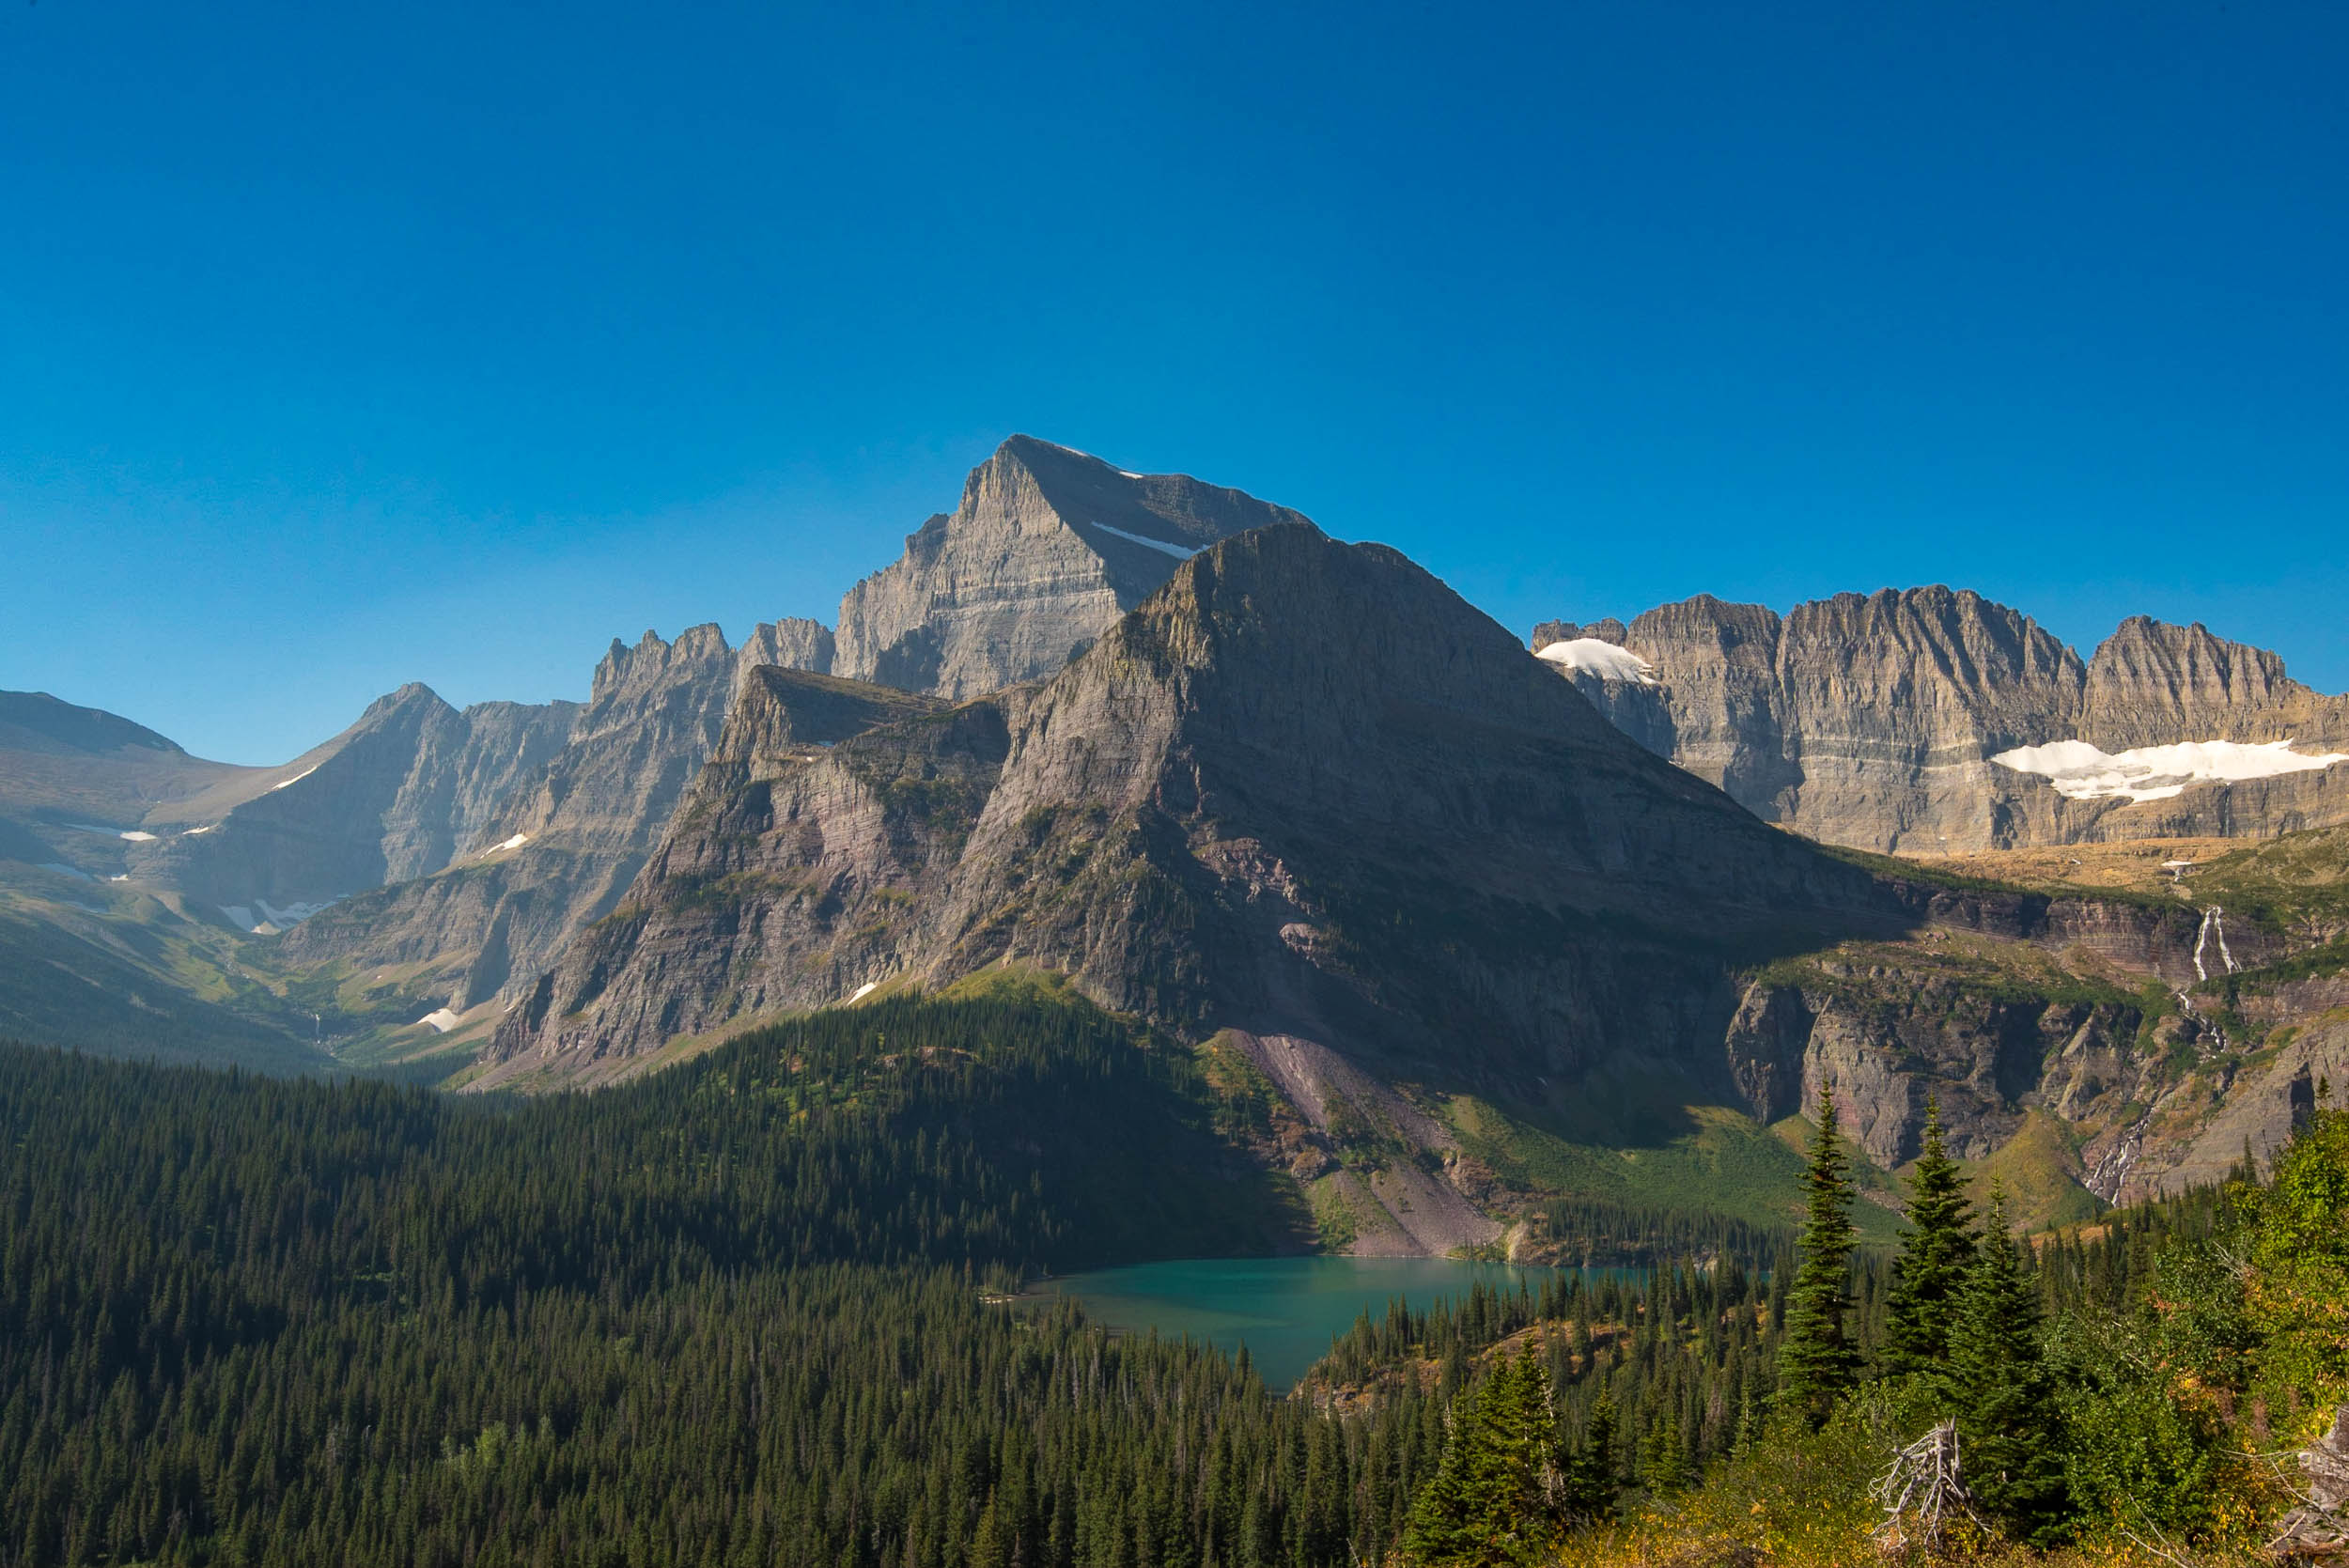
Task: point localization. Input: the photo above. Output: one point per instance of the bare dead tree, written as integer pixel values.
(1923, 1494)
(2318, 1528)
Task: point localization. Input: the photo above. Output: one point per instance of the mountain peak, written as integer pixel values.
(41, 723)
(1047, 547)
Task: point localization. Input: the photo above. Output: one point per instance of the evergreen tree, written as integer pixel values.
(1817, 1361)
(1936, 1256)
(1998, 1387)
(1590, 1483)
(1494, 1500)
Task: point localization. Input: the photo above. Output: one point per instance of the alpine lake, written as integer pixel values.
(1285, 1311)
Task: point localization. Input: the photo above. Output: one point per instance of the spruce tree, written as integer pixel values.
(1817, 1361)
(1936, 1256)
(1999, 1389)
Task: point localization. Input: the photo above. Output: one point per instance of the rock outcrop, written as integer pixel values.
(1048, 547)
(1879, 721)
(564, 839)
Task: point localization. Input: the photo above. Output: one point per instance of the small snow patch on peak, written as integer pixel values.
(443, 1020)
(1603, 660)
(1180, 552)
(296, 778)
(514, 843)
(865, 991)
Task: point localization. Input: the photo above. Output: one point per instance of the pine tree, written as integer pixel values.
(1997, 1386)
(1817, 1361)
(1937, 1255)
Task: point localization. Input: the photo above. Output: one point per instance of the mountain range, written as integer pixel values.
(1479, 923)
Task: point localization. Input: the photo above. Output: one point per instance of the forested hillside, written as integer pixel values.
(761, 1309)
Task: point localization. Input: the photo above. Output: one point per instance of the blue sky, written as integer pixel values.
(345, 345)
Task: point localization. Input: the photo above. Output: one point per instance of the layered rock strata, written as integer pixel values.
(1882, 721)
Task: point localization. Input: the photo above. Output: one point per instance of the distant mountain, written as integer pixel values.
(1049, 547)
(1932, 722)
(555, 848)
(67, 773)
(395, 796)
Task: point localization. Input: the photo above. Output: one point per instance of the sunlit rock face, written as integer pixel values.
(1048, 547)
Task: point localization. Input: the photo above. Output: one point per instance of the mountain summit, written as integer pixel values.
(1049, 546)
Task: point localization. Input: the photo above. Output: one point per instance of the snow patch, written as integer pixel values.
(514, 843)
(865, 991)
(1603, 660)
(208, 827)
(443, 1020)
(296, 778)
(134, 836)
(137, 837)
(2081, 772)
(273, 918)
(1180, 552)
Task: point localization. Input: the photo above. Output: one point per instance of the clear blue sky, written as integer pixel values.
(347, 344)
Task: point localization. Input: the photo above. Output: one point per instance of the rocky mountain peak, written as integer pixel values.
(655, 662)
(2151, 683)
(1606, 629)
(414, 703)
(1963, 639)
(1047, 548)
(793, 643)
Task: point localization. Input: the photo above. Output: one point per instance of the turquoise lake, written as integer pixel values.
(1286, 1311)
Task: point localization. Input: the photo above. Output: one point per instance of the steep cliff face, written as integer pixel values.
(2153, 683)
(1933, 722)
(558, 844)
(793, 643)
(1048, 547)
(395, 796)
